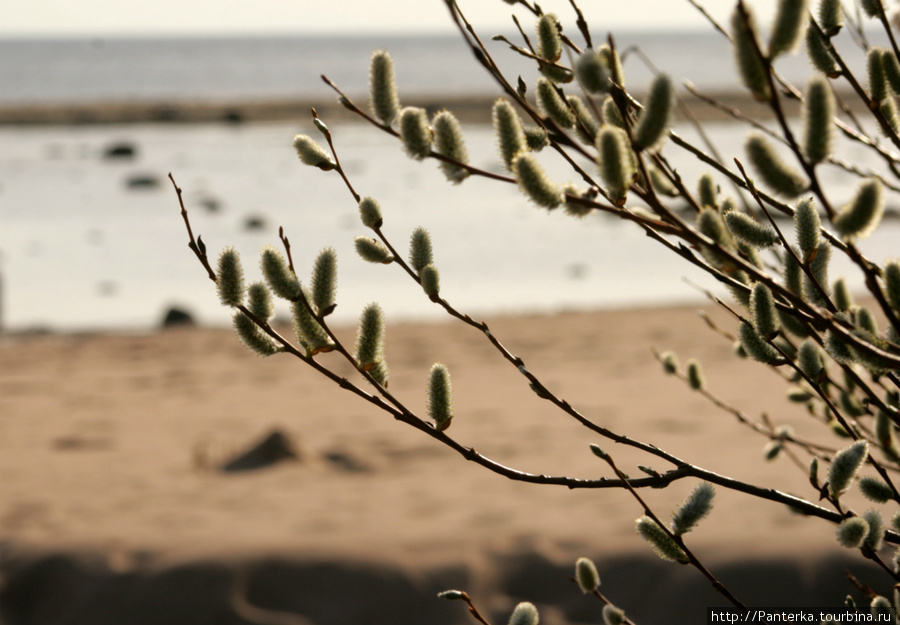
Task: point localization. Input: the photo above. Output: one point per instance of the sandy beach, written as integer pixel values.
(110, 449)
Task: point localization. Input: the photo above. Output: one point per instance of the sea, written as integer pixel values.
(89, 242)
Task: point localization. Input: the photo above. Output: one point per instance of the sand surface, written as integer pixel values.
(109, 448)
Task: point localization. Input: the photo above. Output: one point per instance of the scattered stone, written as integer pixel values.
(274, 448)
(210, 204)
(142, 181)
(343, 461)
(254, 223)
(122, 150)
(233, 116)
(177, 317)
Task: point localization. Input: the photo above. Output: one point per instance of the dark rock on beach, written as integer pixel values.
(272, 449)
(177, 317)
(120, 151)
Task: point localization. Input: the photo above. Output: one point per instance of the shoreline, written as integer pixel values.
(469, 109)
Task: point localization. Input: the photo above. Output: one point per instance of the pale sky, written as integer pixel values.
(23, 18)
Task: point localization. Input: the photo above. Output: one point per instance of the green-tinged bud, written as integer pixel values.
(440, 397)
(592, 72)
(875, 489)
(852, 532)
(370, 213)
(892, 283)
(309, 332)
(653, 125)
(881, 603)
(746, 229)
(613, 61)
(740, 295)
(814, 471)
(762, 306)
(372, 250)
(750, 65)
(891, 70)
(524, 614)
(707, 191)
(370, 337)
(809, 359)
(850, 404)
(230, 278)
(508, 129)
(586, 126)
(536, 138)
(841, 295)
(772, 169)
(875, 537)
(661, 183)
(792, 324)
(448, 141)
(572, 207)
(844, 467)
(548, 39)
(873, 352)
(819, 56)
(872, 8)
(772, 450)
(597, 451)
(819, 269)
(420, 253)
(380, 372)
(669, 362)
(252, 336)
(866, 321)
(278, 275)
(383, 98)
(890, 116)
(838, 429)
(614, 160)
(311, 153)
(695, 375)
(320, 126)
(663, 544)
(259, 301)
(613, 615)
(431, 281)
(807, 227)
(555, 73)
(877, 79)
(885, 435)
(799, 395)
(324, 282)
(586, 575)
(553, 104)
(755, 346)
(862, 214)
(415, 133)
(452, 595)
(694, 509)
(534, 183)
(793, 275)
(611, 114)
(791, 20)
(836, 347)
(831, 17)
(818, 112)
(711, 224)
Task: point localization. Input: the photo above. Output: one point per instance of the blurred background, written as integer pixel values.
(90, 235)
